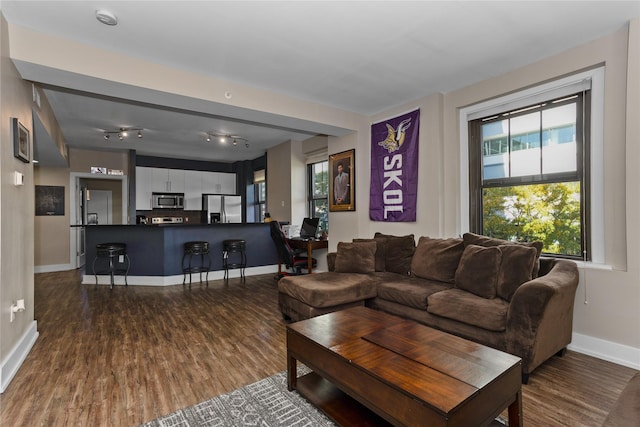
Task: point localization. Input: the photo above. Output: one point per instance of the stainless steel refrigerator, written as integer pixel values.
(221, 208)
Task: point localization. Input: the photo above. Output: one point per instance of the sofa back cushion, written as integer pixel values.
(478, 270)
(380, 253)
(398, 252)
(480, 240)
(356, 257)
(437, 259)
(516, 268)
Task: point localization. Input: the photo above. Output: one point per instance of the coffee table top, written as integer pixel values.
(409, 356)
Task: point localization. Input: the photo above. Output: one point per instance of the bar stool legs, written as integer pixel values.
(191, 249)
(229, 248)
(112, 253)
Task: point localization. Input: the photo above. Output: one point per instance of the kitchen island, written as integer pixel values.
(155, 251)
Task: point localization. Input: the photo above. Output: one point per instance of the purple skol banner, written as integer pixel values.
(394, 169)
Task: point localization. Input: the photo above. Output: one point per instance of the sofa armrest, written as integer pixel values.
(540, 316)
(331, 261)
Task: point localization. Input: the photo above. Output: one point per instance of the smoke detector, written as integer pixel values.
(106, 17)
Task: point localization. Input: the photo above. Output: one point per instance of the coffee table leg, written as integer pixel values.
(515, 411)
(292, 372)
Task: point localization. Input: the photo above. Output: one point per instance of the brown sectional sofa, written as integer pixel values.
(490, 291)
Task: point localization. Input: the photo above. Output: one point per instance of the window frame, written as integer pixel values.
(478, 183)
(311, 197)
(595, 155)
(260, 205)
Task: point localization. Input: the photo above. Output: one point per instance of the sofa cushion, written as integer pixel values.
(478, 270)
(329, 288)
(465, 307)
(437, 259)
(380, 252)
(516, 268)
(398, 252)
(355, 257)
(480, 240)
(408, 291)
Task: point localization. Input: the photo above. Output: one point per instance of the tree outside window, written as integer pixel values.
(318, 193)
(529, 175)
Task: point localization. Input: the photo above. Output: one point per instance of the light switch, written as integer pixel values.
(18, 178)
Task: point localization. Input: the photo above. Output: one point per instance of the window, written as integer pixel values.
(529, 174)
(318, 192)
(260, 195)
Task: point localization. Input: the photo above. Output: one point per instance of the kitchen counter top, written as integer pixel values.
(156, 250)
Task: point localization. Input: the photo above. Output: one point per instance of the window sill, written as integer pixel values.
(593, 266)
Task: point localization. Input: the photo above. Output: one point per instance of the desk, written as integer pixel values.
(309, 245)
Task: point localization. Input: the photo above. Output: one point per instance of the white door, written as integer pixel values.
(99, 207)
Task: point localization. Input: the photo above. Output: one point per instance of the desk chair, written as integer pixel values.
(286, 255)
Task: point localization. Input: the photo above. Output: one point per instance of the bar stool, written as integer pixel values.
(112, 253)
(229, 248)
(191, 249)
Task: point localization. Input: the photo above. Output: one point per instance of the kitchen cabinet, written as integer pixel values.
(144, 182)
(193, 190)
(168, 180)
(192, 183)
(228, 183)
(218, 183)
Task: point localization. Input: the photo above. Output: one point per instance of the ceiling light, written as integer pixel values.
(223, 137)
(106, 17)
(122, 133)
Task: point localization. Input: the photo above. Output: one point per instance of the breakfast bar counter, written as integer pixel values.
(155, 251)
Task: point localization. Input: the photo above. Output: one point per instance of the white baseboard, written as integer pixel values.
(52, 268)
(89, 279)
(606, 350)
(10, 365)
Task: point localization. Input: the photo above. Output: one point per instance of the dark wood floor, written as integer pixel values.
(125, 356)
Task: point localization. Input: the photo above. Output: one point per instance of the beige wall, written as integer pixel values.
(608, 301)
(613, 297)
(17, 204)
(83, 160)
(51, 233)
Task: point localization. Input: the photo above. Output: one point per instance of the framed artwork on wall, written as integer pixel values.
(342, 189)
(49, 200)
(21, 141)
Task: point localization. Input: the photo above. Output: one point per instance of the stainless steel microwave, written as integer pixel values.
(167, 200)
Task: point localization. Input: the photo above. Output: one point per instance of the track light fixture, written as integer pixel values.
(223, 138)
(122, 133)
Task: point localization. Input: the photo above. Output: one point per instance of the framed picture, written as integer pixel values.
(49, 200)
(342, 188)
(21, 143)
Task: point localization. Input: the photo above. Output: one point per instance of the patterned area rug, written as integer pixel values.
(266, 403)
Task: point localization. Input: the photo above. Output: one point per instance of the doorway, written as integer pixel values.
(105, 197)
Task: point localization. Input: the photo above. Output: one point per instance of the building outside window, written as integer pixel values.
(260, 194)
(529, 174)
(318, 192)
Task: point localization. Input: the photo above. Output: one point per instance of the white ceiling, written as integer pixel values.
(360, 56)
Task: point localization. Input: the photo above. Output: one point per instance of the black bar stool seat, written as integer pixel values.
(111, 252)
(192, 249)
(234, 248)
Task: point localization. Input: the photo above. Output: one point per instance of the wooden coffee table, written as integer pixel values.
(372, 368)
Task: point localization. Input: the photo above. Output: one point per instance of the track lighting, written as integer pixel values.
(122, 133)
(222, 138)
